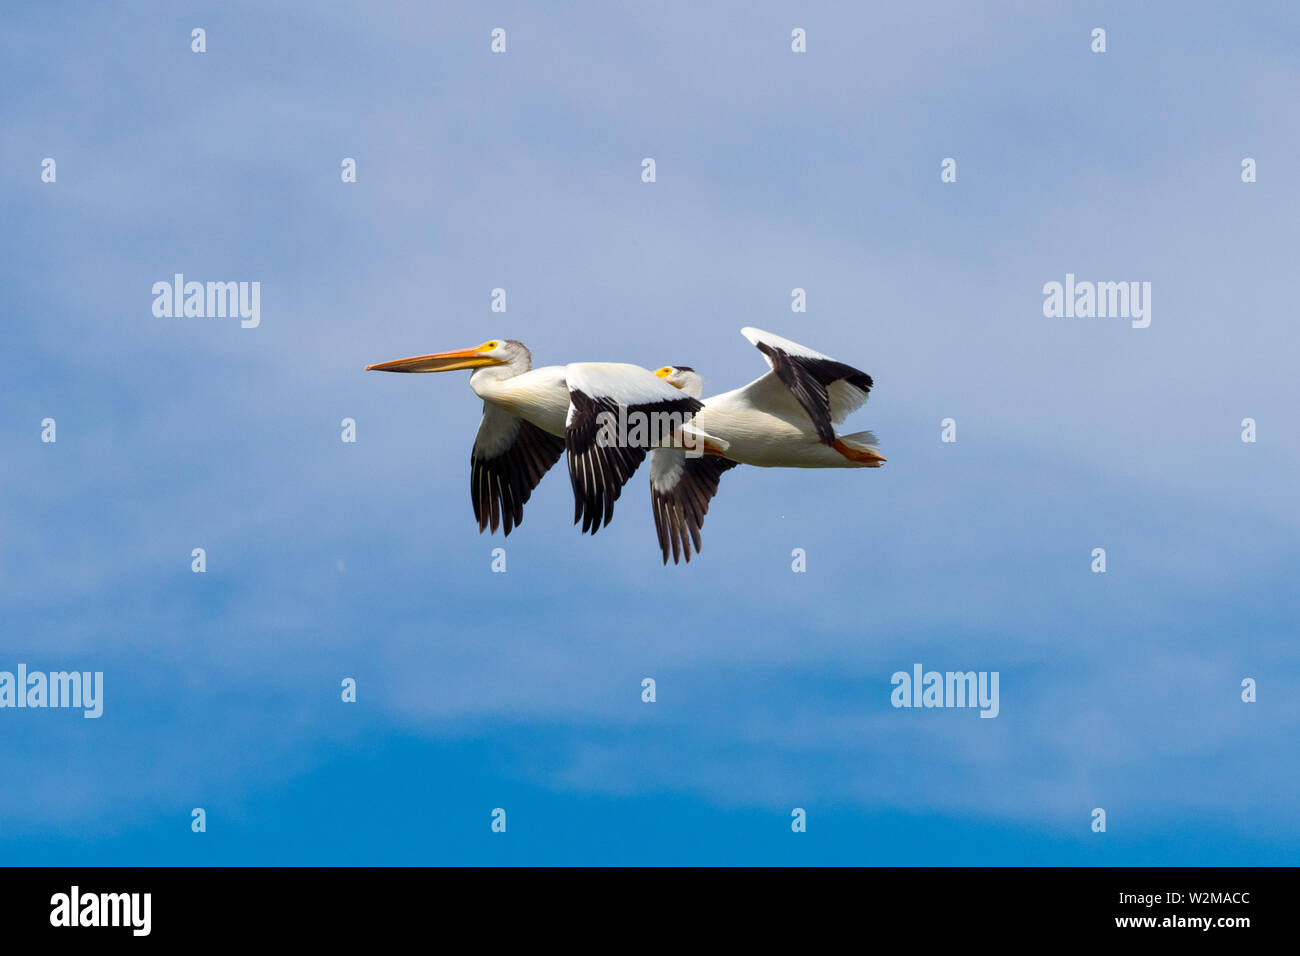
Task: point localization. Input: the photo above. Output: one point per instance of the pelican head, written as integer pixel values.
(683, 377)
(491, 353)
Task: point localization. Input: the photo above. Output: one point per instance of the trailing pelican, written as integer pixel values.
(616, 414)
(530, 416)
(784, 419)
(522, 432)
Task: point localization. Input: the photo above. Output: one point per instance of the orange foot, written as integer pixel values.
(855, 454)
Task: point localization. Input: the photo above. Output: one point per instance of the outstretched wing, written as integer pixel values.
(616, 414)
(509, 458)
(680, 491)
(826, 389)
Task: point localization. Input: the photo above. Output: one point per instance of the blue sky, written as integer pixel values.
(522, 690)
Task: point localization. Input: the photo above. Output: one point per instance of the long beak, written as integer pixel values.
(437, 362)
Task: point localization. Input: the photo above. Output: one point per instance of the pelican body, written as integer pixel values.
(531, 416)
(522, 432)
(784, 419)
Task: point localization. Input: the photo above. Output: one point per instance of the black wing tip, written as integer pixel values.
(500, 486)
(860, 380)
(680, 510)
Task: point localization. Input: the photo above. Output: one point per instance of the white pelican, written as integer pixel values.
(530, 414)
(616, 414)
(784, 419)
(522, 432)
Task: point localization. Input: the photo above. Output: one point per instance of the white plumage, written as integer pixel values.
(521, 434)
(607, 416)
(784, 419)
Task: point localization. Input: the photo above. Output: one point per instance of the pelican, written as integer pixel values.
(783, 419)
(616, 414)
(530, 417)
(522, 432)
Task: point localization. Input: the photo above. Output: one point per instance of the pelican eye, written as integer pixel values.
(488, 346)
(665, 371)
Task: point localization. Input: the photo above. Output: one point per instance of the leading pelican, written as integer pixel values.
(522, 432)
(784, 419)
(530, 417)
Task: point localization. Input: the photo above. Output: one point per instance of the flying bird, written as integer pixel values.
(682, 486)
(522, 432)
(531, 415)
(617, 413)
(783, 419)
